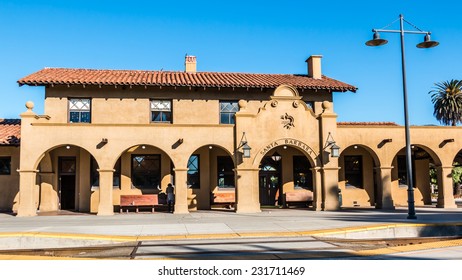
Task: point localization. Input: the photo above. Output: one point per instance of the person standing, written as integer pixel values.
(170, 197)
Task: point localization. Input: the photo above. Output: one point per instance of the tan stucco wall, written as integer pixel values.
(9, 184)
(429, 138)
(122, 116)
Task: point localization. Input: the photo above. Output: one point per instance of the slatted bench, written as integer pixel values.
(138, 201)
(224, 198)
(298, 197)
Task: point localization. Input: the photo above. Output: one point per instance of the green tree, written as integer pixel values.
(447, 102)
(457, 178)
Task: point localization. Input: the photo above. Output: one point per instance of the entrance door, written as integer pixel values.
(270, 182)
(67, 168)
(269, 189)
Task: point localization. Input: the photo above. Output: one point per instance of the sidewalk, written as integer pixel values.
(203, 224)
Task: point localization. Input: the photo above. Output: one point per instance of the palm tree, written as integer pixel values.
(447, 102)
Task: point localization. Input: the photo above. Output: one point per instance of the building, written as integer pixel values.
(254, 137)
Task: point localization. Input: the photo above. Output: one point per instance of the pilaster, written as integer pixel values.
(27, 207)
(247, 190)
(317, 191)
(105, 207)
(181, 191)
(330, 189)
(49, 197)
(445, 187)
(384, 195)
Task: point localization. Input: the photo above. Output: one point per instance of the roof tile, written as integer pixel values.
(69, 76)
(10, 132)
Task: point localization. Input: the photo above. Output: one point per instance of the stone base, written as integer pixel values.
(247, 209)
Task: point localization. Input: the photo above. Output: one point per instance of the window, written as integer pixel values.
(146, 171)
(227, 111)
(303, 177)
(95, 174)
(354, 171)
(225, 172)
(310, 104)
(5, 165)
(79, 110)
(194, 172)
(161, 111)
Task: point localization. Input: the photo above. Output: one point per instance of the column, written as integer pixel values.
(317, 189)
(247, 190)
(27, 207)
(328, 129)
(445, 187)
(330, 187)
(384, 195)
(181, 191)
(106, 206)
(48, 195)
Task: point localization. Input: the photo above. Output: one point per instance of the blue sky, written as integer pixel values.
(238, 36)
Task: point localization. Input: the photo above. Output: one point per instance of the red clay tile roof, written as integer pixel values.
(368, 123)
(66, 76)
(10, 132)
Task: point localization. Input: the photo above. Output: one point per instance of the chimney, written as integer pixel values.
(314, 66)
(190, 64)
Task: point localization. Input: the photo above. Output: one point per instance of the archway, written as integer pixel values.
(424, 175)
(457, 176)
(63, 179)
(211, 179)
(285, 171)
(358, 178)
(141, 169)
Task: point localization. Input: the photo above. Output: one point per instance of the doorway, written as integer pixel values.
(270, 182)
(67, 184)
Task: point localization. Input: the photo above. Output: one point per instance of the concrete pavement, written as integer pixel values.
(72, 229)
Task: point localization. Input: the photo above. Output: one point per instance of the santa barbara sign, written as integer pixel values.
(288, 142)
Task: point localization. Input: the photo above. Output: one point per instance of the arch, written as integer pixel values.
(430, 151)
(371, 152)
(285, 169)
(61, 179)
(211, 174)
(49, 149)
(423, 160)
(115, 156)
(285, 90)
(213, 146)
(310, 153)
(456, 177)
(358, 176)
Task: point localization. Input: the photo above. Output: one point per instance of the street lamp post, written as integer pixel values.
(427, 43)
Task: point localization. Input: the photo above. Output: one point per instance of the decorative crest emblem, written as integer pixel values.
(287, 121)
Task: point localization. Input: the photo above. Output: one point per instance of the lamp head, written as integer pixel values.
(376, 41)
(276, 157)
(335, 150)
(246, 150)
(427, 43)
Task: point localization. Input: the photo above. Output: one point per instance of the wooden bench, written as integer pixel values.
(224, 198)
(137, 201)
(298, 197)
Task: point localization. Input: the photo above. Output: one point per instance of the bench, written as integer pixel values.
(137, 201)
(224, 198)
(298, 197)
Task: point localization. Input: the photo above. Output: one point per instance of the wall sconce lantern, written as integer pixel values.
(245, 147)
(276, 157)
(334, 149)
